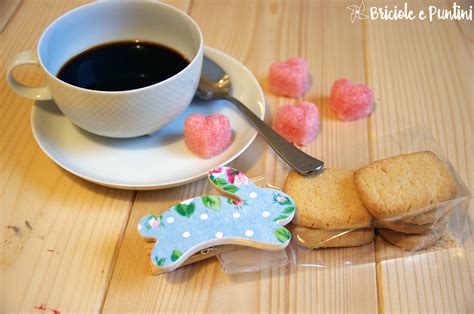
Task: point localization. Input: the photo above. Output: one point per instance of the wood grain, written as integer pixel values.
(59, 234)
(258, 33)
(419, 71)
(73, 245)
(7, 9)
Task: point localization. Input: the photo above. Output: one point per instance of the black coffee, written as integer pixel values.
(123, 65)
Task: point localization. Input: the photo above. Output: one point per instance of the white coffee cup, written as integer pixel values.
(123, 113)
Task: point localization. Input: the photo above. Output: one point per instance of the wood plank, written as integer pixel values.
(422, 73)
(7, 9)
(258, 33)
(59, 234)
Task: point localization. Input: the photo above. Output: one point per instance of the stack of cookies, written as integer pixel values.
(405, 195)
(329, 212)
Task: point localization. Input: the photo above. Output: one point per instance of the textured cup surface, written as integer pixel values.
(124, 113)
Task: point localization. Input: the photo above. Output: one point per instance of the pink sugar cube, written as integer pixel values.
(351, 101)
(289, 78)
(207, 136)
(298, 124)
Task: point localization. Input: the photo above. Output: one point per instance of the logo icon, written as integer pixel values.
(357, 11)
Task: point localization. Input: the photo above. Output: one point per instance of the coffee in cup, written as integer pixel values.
(122, 65)
(117, 69)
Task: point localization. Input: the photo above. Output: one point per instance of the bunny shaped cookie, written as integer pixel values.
(246, 215)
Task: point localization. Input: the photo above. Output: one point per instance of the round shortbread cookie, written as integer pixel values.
(328, 200)
(400, 226)
(427, 217)
(415, 242)
(404, 184)
(319, 238)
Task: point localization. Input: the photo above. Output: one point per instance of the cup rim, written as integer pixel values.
(93, 91)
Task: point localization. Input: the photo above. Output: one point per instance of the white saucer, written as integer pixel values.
(148, 162)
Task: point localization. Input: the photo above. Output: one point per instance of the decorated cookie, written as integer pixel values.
(247, 215)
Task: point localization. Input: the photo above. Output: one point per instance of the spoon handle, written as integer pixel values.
(296, 158)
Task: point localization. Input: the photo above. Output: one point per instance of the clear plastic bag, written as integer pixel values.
(439, 226)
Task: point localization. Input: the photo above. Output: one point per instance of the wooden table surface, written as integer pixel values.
(72, 245)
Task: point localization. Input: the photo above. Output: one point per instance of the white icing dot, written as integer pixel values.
(186, 234)
(139, 227)
(249, 233)
(266, 214)
(236, 215)
(170, 220)
(219, 234)
(204, 216)
(253, 195)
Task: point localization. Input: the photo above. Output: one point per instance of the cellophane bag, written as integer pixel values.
(452, 215)
(440, 226)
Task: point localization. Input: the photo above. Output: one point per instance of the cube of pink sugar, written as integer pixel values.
(351, 101)
(298, 124)
(207, 136)
(289, 78)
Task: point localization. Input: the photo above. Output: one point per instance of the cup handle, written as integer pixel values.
(35, 93)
